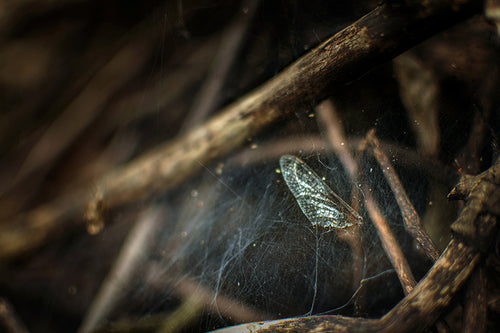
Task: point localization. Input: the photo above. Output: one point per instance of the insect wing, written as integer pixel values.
(317, 201)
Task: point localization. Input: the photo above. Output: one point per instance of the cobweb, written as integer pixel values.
(239, 237)
(235, 239)
(231, 244)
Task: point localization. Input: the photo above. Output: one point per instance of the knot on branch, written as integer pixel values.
(477, 223)
(93, 215)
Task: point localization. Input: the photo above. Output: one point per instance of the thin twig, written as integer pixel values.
(411, 219)
(338, 141)
(336, 137)
(389, 242)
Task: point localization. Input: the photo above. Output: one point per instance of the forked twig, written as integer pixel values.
(389, 242)
(411, 219)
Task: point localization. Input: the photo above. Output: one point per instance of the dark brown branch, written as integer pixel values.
(208, 98)
(389, 243)
(411, 219)
(374, 39)
(482, 193)
(354, 50)
(476, 307)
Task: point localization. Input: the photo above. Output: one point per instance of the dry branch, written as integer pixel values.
(338, 141)
(411, 219)
(374, 39)
(483, 195)
(391, 247)
(476, 307)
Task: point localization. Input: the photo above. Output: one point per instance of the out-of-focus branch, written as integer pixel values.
(86, 106)
(310, 144)
(375, 38)
(9, 320)
(133, 252)
(195, 298)
(336, 137)
(208, 98)
(183, 287)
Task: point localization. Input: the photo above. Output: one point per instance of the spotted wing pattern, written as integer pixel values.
(318, 202)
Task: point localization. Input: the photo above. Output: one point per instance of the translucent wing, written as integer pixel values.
(317, 201)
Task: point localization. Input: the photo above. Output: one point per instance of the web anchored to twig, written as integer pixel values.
(477, 224)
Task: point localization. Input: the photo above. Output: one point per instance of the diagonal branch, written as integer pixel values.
(411, 220)
(372, 40)
(390, 244)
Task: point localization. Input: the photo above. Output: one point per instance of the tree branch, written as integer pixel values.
(372, 40)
